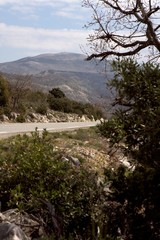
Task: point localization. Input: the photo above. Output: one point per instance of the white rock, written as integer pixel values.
(10, 231)
(4, 118)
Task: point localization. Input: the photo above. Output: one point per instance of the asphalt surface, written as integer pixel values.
(10, 129)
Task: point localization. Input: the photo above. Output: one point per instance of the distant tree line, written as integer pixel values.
(59, 102)
(19, 97)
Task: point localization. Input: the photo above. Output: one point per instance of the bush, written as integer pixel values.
(66, 105)
(20, 118)
(135, 192)
(42, 109)
(57, 93)
(60, 104)
(4, 92)
(35, 100)
(32, 173)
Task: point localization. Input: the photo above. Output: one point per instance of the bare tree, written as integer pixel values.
(124, 27)
(19, 86)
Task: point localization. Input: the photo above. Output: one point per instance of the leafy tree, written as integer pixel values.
(126, 28)
(57, 93)
(59, 102)
(123, 28)
(136, 120)
(4, 92)
(135, 123)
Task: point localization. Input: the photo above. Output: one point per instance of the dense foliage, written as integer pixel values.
(20, 98)
(135, 123)
(33, 174)
(4, 92)
(59, 102)
(57, 93)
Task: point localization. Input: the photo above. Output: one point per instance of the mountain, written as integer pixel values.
(79, 79)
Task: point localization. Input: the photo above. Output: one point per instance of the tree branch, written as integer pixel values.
(127, 45)
(122, 102)
(113, 18)
(103, 55)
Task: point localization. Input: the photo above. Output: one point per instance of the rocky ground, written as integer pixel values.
(50, 116)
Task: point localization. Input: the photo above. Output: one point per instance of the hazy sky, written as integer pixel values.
(32, 27)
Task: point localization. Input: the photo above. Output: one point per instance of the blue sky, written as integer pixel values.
(32, 27)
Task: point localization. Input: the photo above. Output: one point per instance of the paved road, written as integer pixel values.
(10, 129)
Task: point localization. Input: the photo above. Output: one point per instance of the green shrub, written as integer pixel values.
(135, 123)
(36, 98)
(42, 109)
(4, 92)
(66, 105)
(20, 118)
(60, 104)
(57, 93)
(21, 108)
(5, 110)
(32, 171)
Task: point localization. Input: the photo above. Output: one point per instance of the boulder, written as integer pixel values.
(13, 115)
(10, 231)
(20, 224)
(32, 115)
(4, 118)
(75, 161)
(72, 160)
(83, 119)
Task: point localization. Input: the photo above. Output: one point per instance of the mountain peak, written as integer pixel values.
(80, 80)
(49, 61)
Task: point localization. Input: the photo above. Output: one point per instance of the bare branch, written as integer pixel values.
(117, 7)
(122, 102)
(118, 25)
(103, 55)
(157, 28)
(119, 43)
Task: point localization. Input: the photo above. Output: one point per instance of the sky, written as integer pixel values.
(32, 27)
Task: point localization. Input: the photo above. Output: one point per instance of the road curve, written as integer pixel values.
(10, 129)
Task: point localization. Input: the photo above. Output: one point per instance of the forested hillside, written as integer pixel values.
(79, 79)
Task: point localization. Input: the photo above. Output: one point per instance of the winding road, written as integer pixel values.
(10, 129)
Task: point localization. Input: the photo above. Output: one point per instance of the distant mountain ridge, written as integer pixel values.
(79, 79)
(59, 61)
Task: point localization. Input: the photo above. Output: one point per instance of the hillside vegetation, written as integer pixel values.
(77, 78)
(135, 125)
(102, 183)
(20, 98)
(63, 169)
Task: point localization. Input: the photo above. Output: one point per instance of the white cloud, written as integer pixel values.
(35, 3)
(18, 40)
(74, 11)
(39, 39)
(64, 8)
